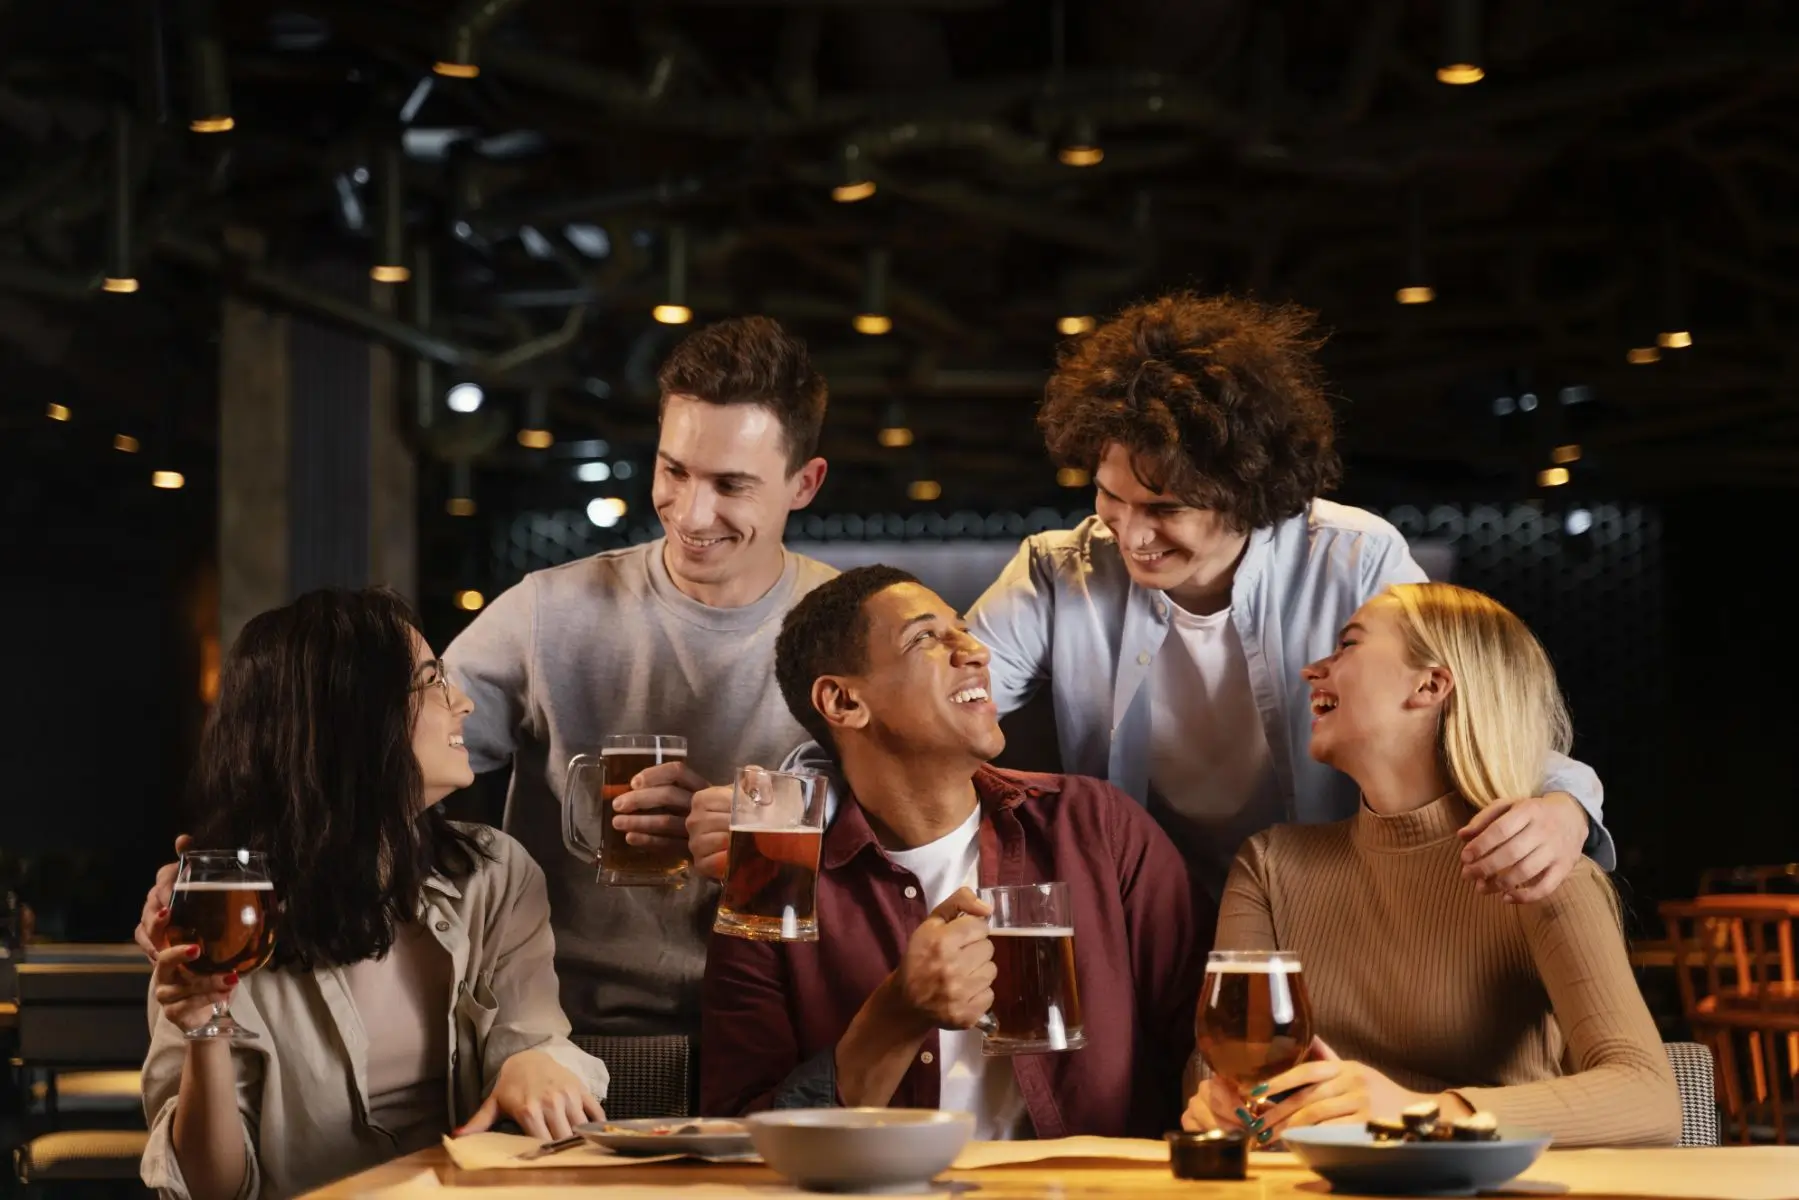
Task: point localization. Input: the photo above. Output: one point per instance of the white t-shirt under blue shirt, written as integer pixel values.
(971, 1082)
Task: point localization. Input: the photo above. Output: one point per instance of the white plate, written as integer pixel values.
(1355, 1163)
(703, 1137)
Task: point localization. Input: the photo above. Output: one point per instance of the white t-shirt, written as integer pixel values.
(971, 1082)
(1209, 763)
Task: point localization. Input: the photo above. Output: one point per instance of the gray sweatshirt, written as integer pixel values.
(604, 645)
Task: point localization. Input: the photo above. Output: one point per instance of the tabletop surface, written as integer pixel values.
(1723, 1173)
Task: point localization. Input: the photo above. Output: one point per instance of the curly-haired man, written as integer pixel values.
(1172, 625)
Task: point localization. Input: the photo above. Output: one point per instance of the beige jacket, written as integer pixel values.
(303, 1088)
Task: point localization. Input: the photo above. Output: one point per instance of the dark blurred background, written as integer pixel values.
(1560, 303)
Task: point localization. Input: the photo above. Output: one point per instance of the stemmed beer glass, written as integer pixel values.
(224, 903)
(1254, 1021)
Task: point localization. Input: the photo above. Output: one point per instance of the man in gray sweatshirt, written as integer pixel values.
(675, 636)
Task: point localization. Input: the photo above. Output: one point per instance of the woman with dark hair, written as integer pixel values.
(411, 992)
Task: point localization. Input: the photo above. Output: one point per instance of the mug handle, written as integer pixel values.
(574, 791)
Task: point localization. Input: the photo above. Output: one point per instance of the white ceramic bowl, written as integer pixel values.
(859, 1149)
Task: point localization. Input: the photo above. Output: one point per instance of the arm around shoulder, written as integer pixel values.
(1013, 618)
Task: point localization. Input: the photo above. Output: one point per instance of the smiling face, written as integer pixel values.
(440, 710)
(1369, 698)
(723, 492)
(923, 687)
(1167, 543)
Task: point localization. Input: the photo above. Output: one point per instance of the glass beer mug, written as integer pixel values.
(594, 781)
(771, 873)
(1036, 1004)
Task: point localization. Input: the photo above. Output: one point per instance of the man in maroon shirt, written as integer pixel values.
(882, 1009)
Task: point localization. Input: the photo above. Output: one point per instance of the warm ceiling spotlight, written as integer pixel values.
(1461, 44)
(895, 437)
(460, 506)
(124, 443)
(56, 412)
(674, 309)
(469, 600)
(873, 324)
(390, 235)
(672, 314)
(1639, 355)
(1080, 146)
(924, 489)
(873, 319)
(209, 88)
(1676, 339)
(169, 481)
(1073, 477)
(1073, 326)
(1552, 477)
(1418, 294)
(455, 70)
(536, 439)
(856, 184)
(118, 287)
(1563, 455)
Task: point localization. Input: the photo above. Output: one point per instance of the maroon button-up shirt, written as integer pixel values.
(772, 1014)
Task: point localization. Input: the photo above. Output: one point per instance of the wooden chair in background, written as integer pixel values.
(1734, 966)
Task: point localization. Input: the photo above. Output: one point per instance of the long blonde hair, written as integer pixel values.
(1505, 713)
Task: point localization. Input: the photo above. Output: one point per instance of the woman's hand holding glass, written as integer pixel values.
(543, 1097)
(187, 999)
(1323, 1090)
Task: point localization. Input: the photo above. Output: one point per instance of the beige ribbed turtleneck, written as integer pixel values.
(1527, 1011)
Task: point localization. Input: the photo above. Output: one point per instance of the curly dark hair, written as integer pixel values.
(826, 633)
(308, 758)
(1219, 401)
(752, 360)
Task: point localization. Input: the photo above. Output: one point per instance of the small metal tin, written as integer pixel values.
(1214, 1154)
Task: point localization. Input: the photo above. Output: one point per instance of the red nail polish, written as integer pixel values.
(193, 952)
(231, 979)
(162, 914)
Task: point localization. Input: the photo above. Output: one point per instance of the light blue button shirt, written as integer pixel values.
(1066, 611)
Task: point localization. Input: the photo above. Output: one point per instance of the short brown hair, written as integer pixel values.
(752, 360)
(1218, 400)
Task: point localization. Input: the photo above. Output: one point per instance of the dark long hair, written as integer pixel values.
(308, 758)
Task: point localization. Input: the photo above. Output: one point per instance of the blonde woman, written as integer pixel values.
(1438, 702)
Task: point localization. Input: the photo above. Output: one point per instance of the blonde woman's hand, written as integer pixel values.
(186, 998)
(544, 1098)
(1216, 1105)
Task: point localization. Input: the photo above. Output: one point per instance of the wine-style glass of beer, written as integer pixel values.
(224, 904)
(771, 871)
(1254, 1019)
(594, 782)
(1036, 1003)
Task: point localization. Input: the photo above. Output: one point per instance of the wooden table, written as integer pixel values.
(1735, 1173)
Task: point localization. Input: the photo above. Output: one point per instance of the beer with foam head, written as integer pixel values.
(594, 782)
(229, 920)
(771, 870)
(1036, 1000)
(1254, 1020)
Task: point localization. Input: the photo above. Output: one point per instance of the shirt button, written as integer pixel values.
(911, 892)
(1161, 609)
(1143, 659)
(443, 927)
(925, 1058)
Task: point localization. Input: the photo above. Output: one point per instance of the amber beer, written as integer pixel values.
(230, 922)
(771, 884)
(1036, 1002)
(1255, 1020)
(771, 870)
(594, 782)
(621, 863)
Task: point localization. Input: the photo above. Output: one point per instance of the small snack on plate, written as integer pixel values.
(1479, 1127)
(1423, 1123)
(1421, 1119)
(707, 1126)
(1385, 1130)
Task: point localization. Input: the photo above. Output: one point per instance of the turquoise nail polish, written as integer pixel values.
(1264, 1136)
(1243, 1115)
(1255, 1125)
(1260, 1089)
